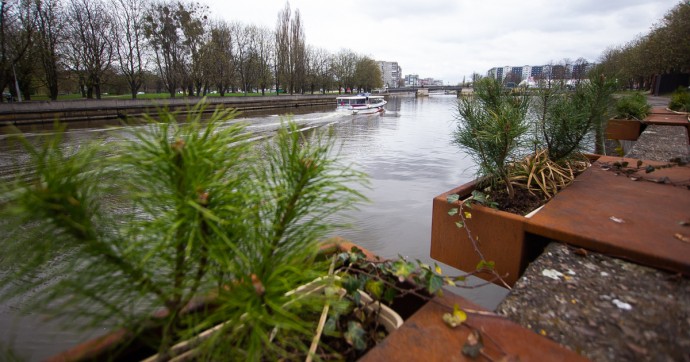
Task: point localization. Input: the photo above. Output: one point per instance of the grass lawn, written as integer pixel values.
(142, 96)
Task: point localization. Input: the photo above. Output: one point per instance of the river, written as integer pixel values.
(406, 152)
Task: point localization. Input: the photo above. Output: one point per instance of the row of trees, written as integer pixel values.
(665, 49)
(58, 45)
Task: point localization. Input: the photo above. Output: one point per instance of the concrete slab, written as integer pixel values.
(661, 143)
(603, 308)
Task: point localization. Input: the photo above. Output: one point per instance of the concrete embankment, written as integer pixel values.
(33, 112)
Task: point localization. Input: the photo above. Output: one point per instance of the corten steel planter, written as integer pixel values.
(425, 337)
(639, 220)
(500, 235)
(623, 129)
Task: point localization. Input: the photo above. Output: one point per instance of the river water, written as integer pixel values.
(406, 152)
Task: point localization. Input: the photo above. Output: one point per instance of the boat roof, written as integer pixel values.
(358, 97)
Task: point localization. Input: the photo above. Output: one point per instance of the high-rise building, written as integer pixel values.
(550, 71)
(390, 72)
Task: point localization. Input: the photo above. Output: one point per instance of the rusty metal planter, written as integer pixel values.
(500, 235)
(623, 129)
(607, 212)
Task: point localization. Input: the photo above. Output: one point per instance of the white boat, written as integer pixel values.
(360, 104)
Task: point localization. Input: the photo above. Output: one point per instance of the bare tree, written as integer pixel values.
(318, 69)
(343, 67)
(290, 50)
(16, 31)
(90, 37)
(130, 41)
(192, 20)
(265, 48)
(242, 38)
(219, 52)
(161, 29)
(298, 54)
(49, 37)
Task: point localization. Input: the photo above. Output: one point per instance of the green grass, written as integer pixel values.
(143, 96)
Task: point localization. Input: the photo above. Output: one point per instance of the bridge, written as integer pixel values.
(431, 88)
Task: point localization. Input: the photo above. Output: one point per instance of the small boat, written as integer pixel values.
(360, 104)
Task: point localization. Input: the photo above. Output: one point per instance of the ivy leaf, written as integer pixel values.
(460, 224)
(438, 269)
(453, 211)
(468, 215)
(388, 295)
(483, 264)
(649, 169)
(355, 336)
(374, 288)
(435, 284)
(449, 281)
(453, 198)
(351, 284)
(402, 269)
(329, 328)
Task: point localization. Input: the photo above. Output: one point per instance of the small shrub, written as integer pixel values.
(680, 100)
(632, 106)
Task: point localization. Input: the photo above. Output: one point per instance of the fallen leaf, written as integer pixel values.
(682, 237)
(684, 223)
(615, 219)
(580, 252)
(473, 346)
(456, 318)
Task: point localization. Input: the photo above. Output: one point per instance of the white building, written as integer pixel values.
(390, 72)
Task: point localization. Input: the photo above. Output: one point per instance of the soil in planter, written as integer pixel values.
(522, 203)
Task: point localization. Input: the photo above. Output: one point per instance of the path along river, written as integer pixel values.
(406, 152)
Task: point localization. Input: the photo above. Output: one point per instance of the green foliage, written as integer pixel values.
(632, 106)
(564, 121)
(680, 100)
(491, 125)
(598, 92)
(172, 211)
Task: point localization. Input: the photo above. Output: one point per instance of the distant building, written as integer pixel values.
(528, 72)
(412, 80)
(390, 72)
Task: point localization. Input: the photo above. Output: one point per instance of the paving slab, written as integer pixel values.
(643, 218)
(661, 143)
(662, 116)
(604, 308)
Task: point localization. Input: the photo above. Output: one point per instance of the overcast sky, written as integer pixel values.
(449, 39)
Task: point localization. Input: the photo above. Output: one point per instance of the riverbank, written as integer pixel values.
(46, 112)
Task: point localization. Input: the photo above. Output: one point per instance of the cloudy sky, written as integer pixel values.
(449, 39)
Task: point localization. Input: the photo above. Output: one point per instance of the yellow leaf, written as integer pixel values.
(459, 313)
(456, 318)
(468, 215)
(438, 269)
